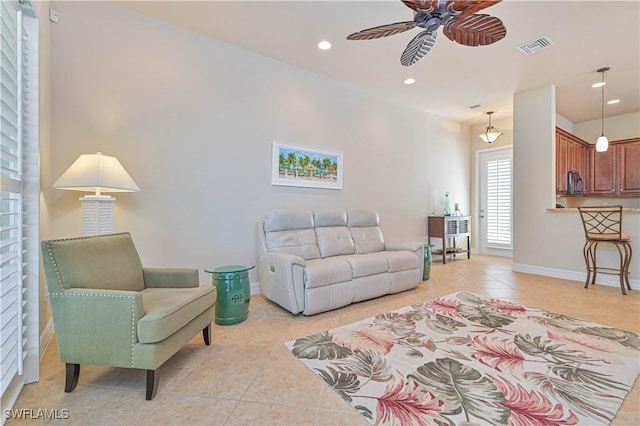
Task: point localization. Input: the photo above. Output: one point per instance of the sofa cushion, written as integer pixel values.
(323, 272)
(401, 260)
(330, 218)
(285, 220)
(291, 231)
(365, 231)
(362, 218)
(365, 265)
(334, 241)
(367, 239)
(300, 242)
(166, 310)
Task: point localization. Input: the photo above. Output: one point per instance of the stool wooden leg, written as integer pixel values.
(627, 263)
(594, 262)
(585, 253)
(622, 270)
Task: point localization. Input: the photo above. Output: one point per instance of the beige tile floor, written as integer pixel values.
(247, 376)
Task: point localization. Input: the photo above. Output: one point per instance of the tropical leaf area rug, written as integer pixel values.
(462, 359)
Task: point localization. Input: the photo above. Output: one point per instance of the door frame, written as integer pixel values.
(503, 252)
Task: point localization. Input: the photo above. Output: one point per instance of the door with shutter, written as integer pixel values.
(19, 191)
(495, 212)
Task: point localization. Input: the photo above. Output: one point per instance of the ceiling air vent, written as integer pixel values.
(533, 46)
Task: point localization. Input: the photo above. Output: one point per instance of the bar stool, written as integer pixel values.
(604, 225)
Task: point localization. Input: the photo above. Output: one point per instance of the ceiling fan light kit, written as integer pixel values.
(491, 134)
(602, 144)
(458, 18)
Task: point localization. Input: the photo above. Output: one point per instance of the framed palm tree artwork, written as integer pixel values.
(305, 167)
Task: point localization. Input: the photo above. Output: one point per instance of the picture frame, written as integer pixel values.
(305, 167)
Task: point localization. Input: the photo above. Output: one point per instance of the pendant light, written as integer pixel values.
(491, 134)
(602, 144)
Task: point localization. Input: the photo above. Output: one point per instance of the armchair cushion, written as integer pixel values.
(169, 309)
(104, 263)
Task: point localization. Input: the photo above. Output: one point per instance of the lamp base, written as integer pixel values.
(97, 214)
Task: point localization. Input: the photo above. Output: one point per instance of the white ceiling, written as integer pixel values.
(588, 35)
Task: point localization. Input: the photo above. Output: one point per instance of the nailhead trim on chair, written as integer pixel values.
(133, 332)
(53, 260)
(55, 267)
(133, 319)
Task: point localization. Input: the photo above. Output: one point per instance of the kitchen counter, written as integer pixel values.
(575, 210)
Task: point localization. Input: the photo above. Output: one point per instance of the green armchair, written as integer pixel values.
(109, 310)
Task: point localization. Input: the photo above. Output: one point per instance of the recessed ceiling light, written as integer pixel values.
(598, 84)
(410, 81)
(324, 45)
(613, 101)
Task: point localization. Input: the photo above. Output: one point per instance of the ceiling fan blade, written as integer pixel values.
(421, 4)
(475, 30)
(418, 47)
(467, 7)
(382, 31)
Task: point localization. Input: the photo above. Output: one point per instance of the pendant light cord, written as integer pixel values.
(602, 127)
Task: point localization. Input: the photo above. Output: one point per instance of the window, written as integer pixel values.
(499, 221)
(19, 192)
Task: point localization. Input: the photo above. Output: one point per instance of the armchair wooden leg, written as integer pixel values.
(152, 384)
(71, 379)
(206, 333)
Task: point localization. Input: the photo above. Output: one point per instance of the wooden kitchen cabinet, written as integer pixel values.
(629, 154)
(572, 155)
(562, 146)
(616, 171)
(604, 172)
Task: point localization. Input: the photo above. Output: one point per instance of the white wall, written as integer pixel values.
(545, 242)
(504, 125)
(626, 126)
(192, 120)
(41, 9)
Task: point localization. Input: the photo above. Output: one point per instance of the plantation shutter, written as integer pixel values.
(499, 186)
(19, 206)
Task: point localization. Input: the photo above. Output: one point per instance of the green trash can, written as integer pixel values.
(426, 274)
(233, 293)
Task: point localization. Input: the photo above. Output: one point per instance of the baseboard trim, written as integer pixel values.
(581, 276)
(46, 336)
(255, 288)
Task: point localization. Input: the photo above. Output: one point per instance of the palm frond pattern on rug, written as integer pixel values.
(463, 359)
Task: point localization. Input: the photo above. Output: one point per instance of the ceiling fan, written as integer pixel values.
(458, 17)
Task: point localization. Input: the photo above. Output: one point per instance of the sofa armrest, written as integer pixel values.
(413, 246)
(406, 245)
(170, 278)
(95, 326)
(282, 280)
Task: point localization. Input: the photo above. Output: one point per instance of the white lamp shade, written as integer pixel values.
(491, 135)
(602, 144)
(96, 173)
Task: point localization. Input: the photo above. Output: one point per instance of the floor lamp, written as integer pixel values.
(97, 173)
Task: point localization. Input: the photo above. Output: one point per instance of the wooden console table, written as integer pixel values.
(445, 227)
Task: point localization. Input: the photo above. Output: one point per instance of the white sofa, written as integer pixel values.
(316, 261)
